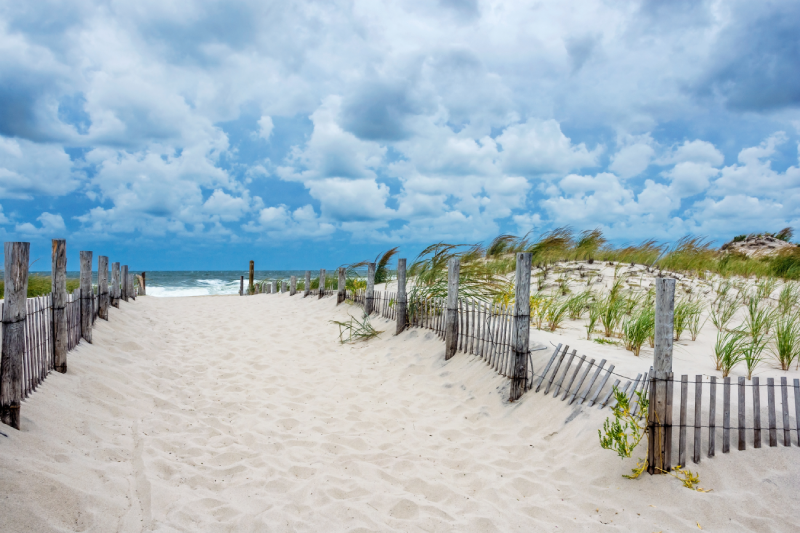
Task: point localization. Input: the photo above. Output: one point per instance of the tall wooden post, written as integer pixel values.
(451, 318)
(400, 301)
(86, 296)
(15, 314)
(102, 287)
(132, 286)
(144, 283)
(369, 301)
(59, 305)
(660, 433)
(307, 286)
(520, 334)
(321, 282)
(341, 286)
(116, 291)
(293, 286)
(123, 283)
(274, 286)
(250, 289)
(241, 286)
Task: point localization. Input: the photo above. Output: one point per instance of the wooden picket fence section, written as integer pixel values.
(751, 411)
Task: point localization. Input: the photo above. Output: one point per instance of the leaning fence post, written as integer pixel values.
(520, 335)
(368, 302)
(102, 287)
(341, 286)
(659, 431)
(115, 289)
(86, 296)
(292, 285)
(400, 299)
(15, 314)
(321, 282)
(123, 283)
(307, 286)
(451, 320)
(59, 288)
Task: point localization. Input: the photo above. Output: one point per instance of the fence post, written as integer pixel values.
(400, 301)
(307, 286)
(144, 283)
(368, 302)
(341, 286)
(123, 283)
(250, 288)
(451, 320)
(520, 335)
(115, 291)
(102, 287)
(132, 287)
(59, 288)
(86, 296)
(321, 282)
(292, 285)
(241, 286)
(659, 432)
(15, 314)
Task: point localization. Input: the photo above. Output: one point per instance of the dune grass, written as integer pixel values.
(39, 285)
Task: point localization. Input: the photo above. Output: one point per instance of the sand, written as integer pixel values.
(245, 414)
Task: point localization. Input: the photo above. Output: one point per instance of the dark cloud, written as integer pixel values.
(379, 111)
(463, 9)
(580, 49)
(755, 64)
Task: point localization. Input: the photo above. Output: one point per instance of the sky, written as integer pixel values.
(173, 134)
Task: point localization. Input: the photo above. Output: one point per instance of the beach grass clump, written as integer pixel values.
(637, 329)
(39, 285)
(722, 312)
(595, 308)
(686, 312)
(759, 319)
(612, 309)
(355, 330)
(786, 340)
(788, 298)
(765, 287)
(556, 313)
(728, 350)
(579, 304)
(753, 354)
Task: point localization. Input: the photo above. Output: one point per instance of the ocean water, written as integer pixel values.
(209, 282)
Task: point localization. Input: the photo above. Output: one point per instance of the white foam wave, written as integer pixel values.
(202, 287)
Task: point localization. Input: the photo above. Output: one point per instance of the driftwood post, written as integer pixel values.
(123, 283)
(292, 285)
(451, 319)
(400, 299)
(250, 288)
(115, 289)
(86, 296)
(307, 286)
(102, 287)
(15, 314)
(341, 286)
(321, 282)
(368, 302)
(59, 288)
(520, 335)
(659, 432)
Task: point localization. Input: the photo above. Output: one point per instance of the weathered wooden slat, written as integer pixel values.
(609, 393)
(756, 413)
(668, 423)
(682, 433)
(639, 386)
(742, 443)
(571, 381)
(580, 381)
(796, 384)
(698, 402)
(547, 367)
(86, 295)
(563, 374)
(635, 386)
(15, 314)
(451, 326)
(519, 353)
(712, 417)
(602, 384)
(588, 388)
(726, 415)
(773, 432)
(787, 436)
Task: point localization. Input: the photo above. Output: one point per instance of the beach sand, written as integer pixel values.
(226, 413)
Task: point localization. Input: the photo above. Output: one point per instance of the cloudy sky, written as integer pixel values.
(199, 134)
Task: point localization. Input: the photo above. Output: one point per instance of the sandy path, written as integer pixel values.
(245, 414)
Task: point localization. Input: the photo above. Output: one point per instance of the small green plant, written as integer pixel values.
(786, 341)
(356, 330)
(759, 319)
(728, 350)
(611, 312)
(540, 305)
(578, 304)
(637, 329)
(765, 287)
(788, 298)
(723, 311)
(627, 430)
(695, 324)
(686, 311)
(594, 316)
(753, 353)
(603, 340)
(556, 313)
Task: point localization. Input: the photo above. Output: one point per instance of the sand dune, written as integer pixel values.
(245, 414)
